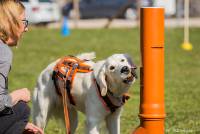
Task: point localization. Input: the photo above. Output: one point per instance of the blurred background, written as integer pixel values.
(79, 12)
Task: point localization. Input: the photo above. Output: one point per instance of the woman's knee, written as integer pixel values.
(22, 110)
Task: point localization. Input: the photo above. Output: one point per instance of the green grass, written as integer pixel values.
(41, 46)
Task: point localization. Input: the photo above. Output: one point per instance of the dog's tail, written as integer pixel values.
(87, 56)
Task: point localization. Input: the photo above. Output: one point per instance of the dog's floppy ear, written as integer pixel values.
(99, 73)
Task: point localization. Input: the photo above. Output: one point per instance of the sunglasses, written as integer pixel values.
(25, 23)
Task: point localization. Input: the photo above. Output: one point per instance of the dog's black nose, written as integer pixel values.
(125, 70)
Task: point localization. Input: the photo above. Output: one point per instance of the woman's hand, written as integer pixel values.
(20, 94)
(32, 128)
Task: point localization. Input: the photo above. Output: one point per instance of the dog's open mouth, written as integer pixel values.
(129, 80)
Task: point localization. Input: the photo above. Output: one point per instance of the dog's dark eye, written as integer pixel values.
(112, 67)
(122, 60)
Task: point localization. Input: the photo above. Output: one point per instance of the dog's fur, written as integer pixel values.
(46, 102)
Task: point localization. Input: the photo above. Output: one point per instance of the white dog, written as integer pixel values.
(111, 77)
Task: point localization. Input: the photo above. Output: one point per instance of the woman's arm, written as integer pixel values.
(20, 94)
(5, 65)
(5, 99)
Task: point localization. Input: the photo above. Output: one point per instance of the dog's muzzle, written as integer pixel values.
(133, 75)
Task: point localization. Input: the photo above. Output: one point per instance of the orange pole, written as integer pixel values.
(152, 111)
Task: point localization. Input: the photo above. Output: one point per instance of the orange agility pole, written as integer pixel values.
(152, 111)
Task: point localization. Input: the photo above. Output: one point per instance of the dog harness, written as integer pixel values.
(65, 70)
(109, 101)
(63, 76)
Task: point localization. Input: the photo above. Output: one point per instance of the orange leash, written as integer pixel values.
(66, 113)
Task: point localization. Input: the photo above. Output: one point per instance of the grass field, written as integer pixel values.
(41, 46)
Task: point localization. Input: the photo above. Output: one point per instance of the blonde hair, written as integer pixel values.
(10, 11)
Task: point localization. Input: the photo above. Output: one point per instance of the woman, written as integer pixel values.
(14, 111)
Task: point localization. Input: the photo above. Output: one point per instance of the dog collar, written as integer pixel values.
(109, 101)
